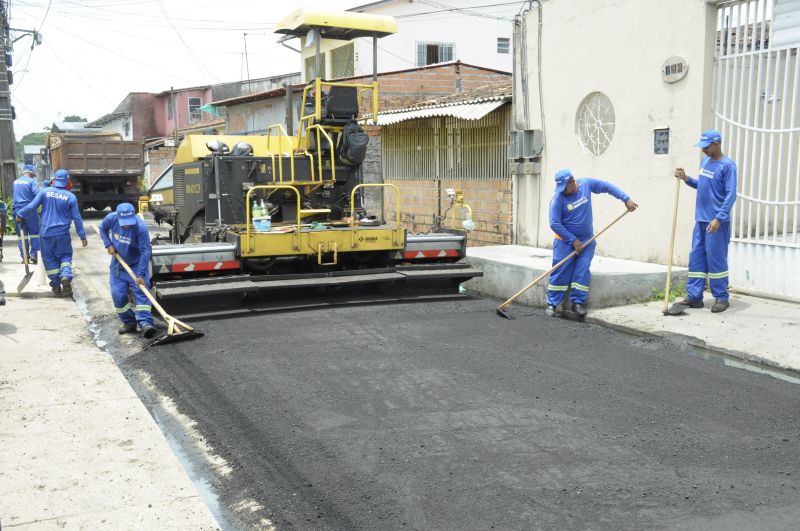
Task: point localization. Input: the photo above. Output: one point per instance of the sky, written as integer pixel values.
(94, 52)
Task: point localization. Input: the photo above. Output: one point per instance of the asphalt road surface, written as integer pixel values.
(445, 416)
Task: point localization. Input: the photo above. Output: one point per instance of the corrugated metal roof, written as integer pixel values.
(472, 104)
(465, 111)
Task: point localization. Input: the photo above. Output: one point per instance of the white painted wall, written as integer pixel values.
(118, 126)
(475, 37)
(618, 47)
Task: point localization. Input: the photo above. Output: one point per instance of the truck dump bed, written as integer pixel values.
(89, 155)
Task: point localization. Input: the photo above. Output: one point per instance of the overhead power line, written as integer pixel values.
(189, 51)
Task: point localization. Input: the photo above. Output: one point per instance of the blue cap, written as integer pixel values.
(28, 168)
(708, 138)
(126, 214)
(562, 178)
(61, 177)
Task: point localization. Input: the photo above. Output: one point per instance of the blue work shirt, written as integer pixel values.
(571, 215)
(132, 244)
(59, 208)
(25, 190)
(716, 189)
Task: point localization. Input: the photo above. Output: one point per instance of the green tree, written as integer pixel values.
(74, 118)
(31, 139)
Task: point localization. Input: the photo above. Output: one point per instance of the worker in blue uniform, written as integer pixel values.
(571, 221)
(25, 190)
(126, 235)
(59, 210)
(716, 193)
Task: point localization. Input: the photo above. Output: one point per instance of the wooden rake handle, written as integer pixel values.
(171, 321)
(672, 244)
(559, 264)
(173, 325)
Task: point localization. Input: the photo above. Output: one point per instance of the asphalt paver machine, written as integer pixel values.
(259, 218)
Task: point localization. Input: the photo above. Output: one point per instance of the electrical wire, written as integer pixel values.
(451, 9)
(185, 44)
(463, 11)
(136, 61)
(78, 75)
(30, 54)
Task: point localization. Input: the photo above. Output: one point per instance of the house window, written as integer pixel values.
(170, 108)
(194, 109)
(503, 44)
(311, 64)
(429, 53)
(342, 61)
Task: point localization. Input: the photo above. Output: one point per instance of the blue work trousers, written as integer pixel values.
(709, 259)
(31, 227)
(574, 274)
(57, 257)
(121, 285)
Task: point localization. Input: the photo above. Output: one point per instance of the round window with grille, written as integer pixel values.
(594, 122)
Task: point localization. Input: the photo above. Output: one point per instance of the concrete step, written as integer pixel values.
(508, 268)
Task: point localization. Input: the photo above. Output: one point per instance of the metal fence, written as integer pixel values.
(448, 148)
(755, 106)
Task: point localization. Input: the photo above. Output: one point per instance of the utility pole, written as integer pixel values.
(247, 64)
(8, 143)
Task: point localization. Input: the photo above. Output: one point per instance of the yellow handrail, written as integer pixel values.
(319, 129)
(291, 149)
(249, 242)
(353, 210)
(456, 207)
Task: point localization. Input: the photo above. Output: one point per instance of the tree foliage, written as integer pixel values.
(31, 139)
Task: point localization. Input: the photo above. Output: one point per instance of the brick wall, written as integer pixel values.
(407, 88)
(159, 160)
(491, 203)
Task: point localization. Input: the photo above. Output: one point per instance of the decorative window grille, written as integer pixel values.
(343, 61)
(429, 53)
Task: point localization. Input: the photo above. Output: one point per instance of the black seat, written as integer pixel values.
(341, 107)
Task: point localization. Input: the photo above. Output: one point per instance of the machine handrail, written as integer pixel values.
(291, 149)
(319, 129)
(269, 187)
(455, 209)
(353, 206)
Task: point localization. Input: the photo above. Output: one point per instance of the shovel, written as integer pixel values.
(28, 272)
(501, 310)
(176, 330)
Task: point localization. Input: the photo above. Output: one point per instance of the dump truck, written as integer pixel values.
(266, 217)
(105, 170)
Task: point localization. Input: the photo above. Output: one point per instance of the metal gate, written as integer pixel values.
(756, 108)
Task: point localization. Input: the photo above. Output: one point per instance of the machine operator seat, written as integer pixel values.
(341, 106)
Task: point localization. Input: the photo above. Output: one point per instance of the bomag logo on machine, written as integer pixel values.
(368, 239)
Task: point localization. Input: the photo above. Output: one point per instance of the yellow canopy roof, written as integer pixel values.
(343, 25)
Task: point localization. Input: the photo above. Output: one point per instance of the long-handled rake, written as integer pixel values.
(501, 310)
(176, 330)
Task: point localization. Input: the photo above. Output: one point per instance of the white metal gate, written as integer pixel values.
(756, 108)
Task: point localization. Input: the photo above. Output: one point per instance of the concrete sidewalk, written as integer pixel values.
(78, 449)
(753, 329)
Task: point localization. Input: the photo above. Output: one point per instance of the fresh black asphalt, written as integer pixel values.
(444, 416)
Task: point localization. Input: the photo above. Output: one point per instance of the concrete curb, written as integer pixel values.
(701, 346)
(508, 268)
